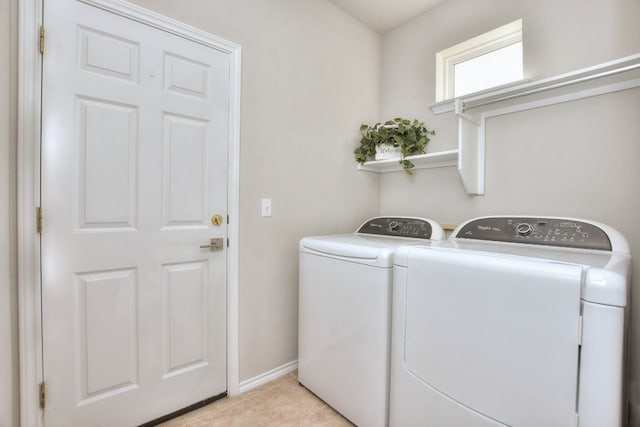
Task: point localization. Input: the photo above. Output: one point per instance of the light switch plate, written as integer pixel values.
(265, 207)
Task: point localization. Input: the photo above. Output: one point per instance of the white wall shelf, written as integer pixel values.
(473, 110)
(421, 161)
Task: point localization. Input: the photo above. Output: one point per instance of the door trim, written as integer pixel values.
(29, 134)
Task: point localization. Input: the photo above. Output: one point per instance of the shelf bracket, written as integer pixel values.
(471, 154)
(470, 148)
(459, 110)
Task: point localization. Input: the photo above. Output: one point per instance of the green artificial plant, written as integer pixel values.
(411, 137)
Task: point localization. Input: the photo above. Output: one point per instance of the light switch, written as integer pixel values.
(266, 207)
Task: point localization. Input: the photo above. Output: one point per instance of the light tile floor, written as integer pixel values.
(282, 402)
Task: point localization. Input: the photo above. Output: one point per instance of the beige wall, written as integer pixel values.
(576, 159)
(9, 402)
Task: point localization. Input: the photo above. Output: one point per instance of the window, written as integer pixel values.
(488, 60)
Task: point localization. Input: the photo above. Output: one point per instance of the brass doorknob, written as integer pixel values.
(216, 219)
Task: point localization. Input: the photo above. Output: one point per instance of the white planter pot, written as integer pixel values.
(388, 152)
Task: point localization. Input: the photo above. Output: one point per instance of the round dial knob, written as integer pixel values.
(524, 229)
(393, 226)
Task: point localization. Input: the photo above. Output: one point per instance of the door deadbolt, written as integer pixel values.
(216, 219)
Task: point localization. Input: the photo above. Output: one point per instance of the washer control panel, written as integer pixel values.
(537, 231)
(397, 226)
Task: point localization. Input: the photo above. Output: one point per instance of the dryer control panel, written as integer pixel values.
(398, 227)
(537, 231)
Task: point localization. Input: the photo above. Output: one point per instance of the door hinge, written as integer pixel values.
(39, 219)
(42, 39)
(227, 242)
(579, 330)
(227, 219)
(42, 394)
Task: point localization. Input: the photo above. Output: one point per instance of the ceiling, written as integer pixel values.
(384, 15)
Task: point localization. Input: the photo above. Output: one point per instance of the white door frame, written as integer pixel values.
(29, 132)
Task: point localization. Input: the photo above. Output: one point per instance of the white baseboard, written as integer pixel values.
(268, 376)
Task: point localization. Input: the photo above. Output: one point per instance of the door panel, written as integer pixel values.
(134, 163)
(183, 75)
(108, 142)
(108, 338)
(184, 173)
(185, 317)
(108, 54)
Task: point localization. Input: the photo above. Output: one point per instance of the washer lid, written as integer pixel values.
(376, 240)
(364, 249)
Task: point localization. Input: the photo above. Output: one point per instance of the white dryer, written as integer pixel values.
(345, 314)
(511, 322)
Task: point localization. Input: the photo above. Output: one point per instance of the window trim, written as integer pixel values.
(490, 41)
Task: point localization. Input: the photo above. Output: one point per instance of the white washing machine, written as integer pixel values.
(511, 322)
(345, 314)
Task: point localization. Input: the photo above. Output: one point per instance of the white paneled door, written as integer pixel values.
(134, 166)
